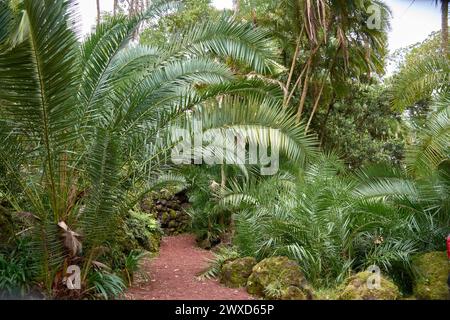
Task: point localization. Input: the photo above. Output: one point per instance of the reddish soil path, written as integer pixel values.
(173, 275)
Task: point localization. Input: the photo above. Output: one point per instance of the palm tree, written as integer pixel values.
(75, 119)
(318, 218)
(426, 78)
(421, 190)
(325, 44)
(444, 26)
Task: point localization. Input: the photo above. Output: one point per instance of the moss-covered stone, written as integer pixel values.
(235, 273)
(293, 293)
(355, 288)
(430, 276)
(204, 243)
(172, 214)
(169, 208)
(147, 205)
(173, 224)
(165, 217)
(278, 278)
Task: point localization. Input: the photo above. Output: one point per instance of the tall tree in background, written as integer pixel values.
(444, 28)
(98, 11)
(325, 46)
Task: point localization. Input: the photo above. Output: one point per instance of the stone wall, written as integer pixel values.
(169, 209)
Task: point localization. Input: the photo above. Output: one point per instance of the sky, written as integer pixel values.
(410, 23)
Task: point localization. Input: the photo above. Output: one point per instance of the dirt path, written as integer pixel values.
(172, 275)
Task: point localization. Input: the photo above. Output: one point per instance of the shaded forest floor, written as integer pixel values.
(173, 275)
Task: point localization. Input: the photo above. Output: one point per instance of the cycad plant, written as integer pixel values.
(335, 223)
(421, 187)
(80, 121)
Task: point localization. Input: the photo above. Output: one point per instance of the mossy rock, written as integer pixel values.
(172, 224)
(204, 244)
(235, 273)
(165, 217)
(173, 214)
(278, 278)
(293, 293)
(430, 276)
(355, 288)
(147, 205)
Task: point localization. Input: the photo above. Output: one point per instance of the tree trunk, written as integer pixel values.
(236, 6)
(291, 71)
(116, 3)
(304, 93)
(324, 123)
(444, 31)
(98, 12)
(131, 7)
(223, 175)
(316, 105)
(306, 67)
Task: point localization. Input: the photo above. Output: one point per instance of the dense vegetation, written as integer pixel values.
(86, 136)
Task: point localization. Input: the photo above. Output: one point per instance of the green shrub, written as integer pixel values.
(223, 255)
(332, 221)
(139, 235)
(143, 229)
(16, 274)
(132, 264)
(105, 285)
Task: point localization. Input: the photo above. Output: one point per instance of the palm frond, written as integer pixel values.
(241, 42)
(420, 81)
(433, 145)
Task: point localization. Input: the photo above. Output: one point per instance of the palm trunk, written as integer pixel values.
(316, 103)
(444, 31)
(116, 3)
(98, 12)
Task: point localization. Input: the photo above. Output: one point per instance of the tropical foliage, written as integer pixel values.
(89, 126)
